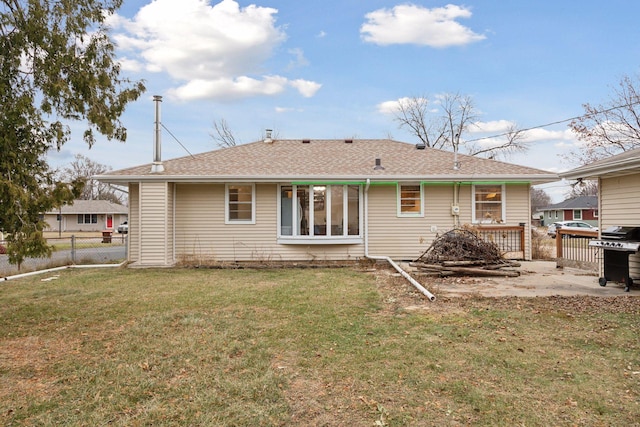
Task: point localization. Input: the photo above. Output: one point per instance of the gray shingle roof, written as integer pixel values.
(581, 202)
(329, 159)
(92, 207)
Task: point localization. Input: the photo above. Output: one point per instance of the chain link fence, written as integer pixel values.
(72, 250)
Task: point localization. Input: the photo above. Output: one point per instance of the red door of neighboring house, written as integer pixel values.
(109, 221)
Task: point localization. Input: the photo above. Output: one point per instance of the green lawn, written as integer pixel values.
(318, 347)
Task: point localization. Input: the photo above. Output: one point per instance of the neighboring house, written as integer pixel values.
(304, 200)
(582, 208)
(619, 193)
(86, 215)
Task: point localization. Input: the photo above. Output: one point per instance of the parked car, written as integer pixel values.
(570, 225)
(123, 228)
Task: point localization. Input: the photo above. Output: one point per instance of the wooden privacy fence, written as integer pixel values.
(573, 250)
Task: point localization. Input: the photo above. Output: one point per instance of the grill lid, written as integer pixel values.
(619, 232)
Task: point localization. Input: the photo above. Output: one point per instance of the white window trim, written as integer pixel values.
(401, 214)
(473, 204)
(579, 216)
(313, 239)
(227, 220)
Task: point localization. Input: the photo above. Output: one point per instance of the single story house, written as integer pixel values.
(86, 215)
(619, 194)
(316, 200)
(581, 208)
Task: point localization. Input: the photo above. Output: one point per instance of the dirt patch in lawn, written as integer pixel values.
(569, 289)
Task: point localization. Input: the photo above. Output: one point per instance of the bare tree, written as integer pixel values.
(442, 125)
(583, 188)
(222, 134)
(610, 128)
(513, 143)
(83, 168)
(413, 113)
(539, 199)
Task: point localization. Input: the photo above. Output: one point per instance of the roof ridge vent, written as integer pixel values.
(348, 141)
(306, 141)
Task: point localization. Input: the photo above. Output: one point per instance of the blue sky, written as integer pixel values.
(327, 69)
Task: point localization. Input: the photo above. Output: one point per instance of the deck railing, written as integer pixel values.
(509, 239)
(573, 250)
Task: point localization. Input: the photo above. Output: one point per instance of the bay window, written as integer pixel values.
(320, 211)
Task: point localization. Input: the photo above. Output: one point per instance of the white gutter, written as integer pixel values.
(404, 274)
(50, 270)
(524, 179)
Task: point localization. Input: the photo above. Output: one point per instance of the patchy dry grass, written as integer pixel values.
(319, 347)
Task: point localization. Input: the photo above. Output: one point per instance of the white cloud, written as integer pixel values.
(392, 107)
(288, 110)
(494, 126)
(220, 51)
(412, 24)
(130, 64)
(225, 88)
(299, 59)
(305, 87)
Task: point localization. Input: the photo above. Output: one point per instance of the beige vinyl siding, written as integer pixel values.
(202, 235)
(171, 223)
(407, 238)
(154, 217)
(53, 224)
(620, 205)
(518, 203)
(133, 237)
(70, 223)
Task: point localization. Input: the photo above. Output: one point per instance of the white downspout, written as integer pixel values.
(404, 274)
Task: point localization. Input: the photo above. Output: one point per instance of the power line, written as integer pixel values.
(558, 122)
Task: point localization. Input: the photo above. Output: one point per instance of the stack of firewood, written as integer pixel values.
(461, 252)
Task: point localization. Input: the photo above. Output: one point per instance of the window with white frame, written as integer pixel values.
(87, 218)
(240, 200)
(488, 204)
(577, 214)
(410, 200)
(320, 211)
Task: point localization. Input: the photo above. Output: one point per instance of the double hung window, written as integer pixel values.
(488, 206)
(240, 203)
(410, 200)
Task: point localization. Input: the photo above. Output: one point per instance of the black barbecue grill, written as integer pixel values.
(618, 243)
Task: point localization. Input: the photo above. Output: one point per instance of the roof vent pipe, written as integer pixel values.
(157, 166)
(267, 138)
